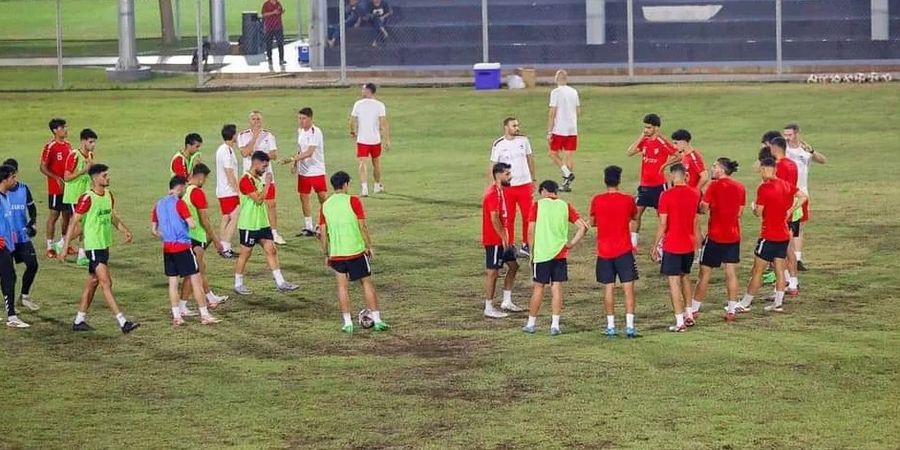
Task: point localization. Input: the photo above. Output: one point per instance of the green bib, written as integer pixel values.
(198, 233)
(551, 231)
(253, 216)
(73, 189)
(193, 161)
(97, 222)
(344, 236)
(187, 163)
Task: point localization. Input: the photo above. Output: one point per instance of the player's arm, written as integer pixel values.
(385, 131)
(70, 233)
(364, 230)
(704, 178)
(758, 209)
(354, 123)
(300, 156)
(531, 238)
(551, 120)
(247, 150)
(45, 170)
(530, 158)
(635, 147)
(580, 231)
(498, 227)
(800, 198)
(207, 226)
(69, 174)
(816, 155)
(704, 207)
(660, 232)
(120, 225)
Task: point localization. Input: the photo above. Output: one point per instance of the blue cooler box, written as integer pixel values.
(303, 53)
(487, 76)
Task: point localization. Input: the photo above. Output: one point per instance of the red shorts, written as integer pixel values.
(228, 204)
(568, 143)
(367, 150)
(270, 194)
(306, 185)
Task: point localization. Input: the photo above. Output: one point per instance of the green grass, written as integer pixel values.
(44, 78)
(277, 373)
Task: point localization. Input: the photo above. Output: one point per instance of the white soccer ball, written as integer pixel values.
(365, 319)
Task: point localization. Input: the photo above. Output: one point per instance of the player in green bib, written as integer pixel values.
(549, 242)
(77, 181)
(96, 213)
(253, 224)
(348, 249)
(183, 161)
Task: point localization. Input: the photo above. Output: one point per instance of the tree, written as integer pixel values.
(167, 23)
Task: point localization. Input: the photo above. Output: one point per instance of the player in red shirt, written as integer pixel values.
(184, 159)
(676, 233)
(53, 166)
(612, 213)
(776, 200)
(655, 151)
(497, 248)
(786, 169)
(691, 159)
(724, 200)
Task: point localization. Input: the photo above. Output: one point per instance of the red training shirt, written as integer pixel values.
(573, 216)
(84, 203)
(786, 170)
(198, 199)
(246, 184)
(184, 213)
(695, 166)
(612, 213)
(70, 160)
(680, 205)
(777, 197)
(54, 157)
(493, 201)
(725, 197)
(654, 153)
(179, 166)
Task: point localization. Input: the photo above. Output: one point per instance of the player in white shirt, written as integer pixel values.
(562, 128)
(515, 149)
(227, 188)
(803, 155)
(257, 138)
(309, 164)
(369, 126)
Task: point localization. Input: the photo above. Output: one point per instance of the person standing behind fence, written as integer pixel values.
(273, 28)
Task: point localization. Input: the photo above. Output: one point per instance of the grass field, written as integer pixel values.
(277, 372)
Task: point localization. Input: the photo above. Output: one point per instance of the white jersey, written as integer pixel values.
(565, 100)
(315, 164)
(264, 143)
(803, 159)
(368, 113)
(225, 159)
(514, 152)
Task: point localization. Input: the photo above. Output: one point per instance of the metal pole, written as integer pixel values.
(200, 67)
(178, 19)
(485, 44)
(299, 19)
(881, 20)
(778, 56)
(218, 35)
(630, 20)
(341, 11)
(59, 62)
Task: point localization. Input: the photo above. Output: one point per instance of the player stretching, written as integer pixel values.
(348, 249)
(724, 199)
(654, 151)
(549, 232)
(515, 149)
(258, 139)
(253, 224)
(562, 128)
(227, 188)
(24, 218)
(172, 223)
(53, 166)
(201, 236)
(309, 164)
(612, 213)
(802, 154)
(677, 225)
(77, 181)
(497, 248)
(369, 125)
(96, 212)
(183, 160)
(776, 200)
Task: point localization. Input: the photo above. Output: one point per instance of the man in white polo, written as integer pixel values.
(514, 149)
(257, 138)
(368, 125)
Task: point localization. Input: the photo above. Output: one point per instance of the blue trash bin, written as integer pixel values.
(487, 76)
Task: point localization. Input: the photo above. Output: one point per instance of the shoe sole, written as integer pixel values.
(496, 317)
(15, 325)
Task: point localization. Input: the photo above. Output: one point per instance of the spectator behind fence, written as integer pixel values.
(354, 14)
(379, 12)
(271, 13)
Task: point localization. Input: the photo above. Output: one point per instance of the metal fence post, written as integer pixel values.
(778, 25)
(485, 43)
(630, 20)
(178, 19)
(59, 62)
(343, 29)
(299, 19)
(199, 24)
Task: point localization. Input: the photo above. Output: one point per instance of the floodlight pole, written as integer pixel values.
(485, 43)
(778, 26)
(200, 62)
(343, 28)
(630, 23)
(218, 36)
(127, 68)
(59, 62)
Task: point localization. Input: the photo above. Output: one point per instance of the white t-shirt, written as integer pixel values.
(368, 113)
(315, 164)
(225, 159)
(514, 152)
(803, 159)
(566, 101)
(264, 143)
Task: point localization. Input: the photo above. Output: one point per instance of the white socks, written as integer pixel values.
(507, 296)
(488, 305)
(793, 283)
(376, 316)
(532, 321)
(779, 297)
(308, 224)
(364, 189)
(731, 306)
(565, 170)
(279, 279)
(238, 279)
(182, 304)
(695, 306)
(204, 312)
(79, 317)
(629, 320)
(634, 239)
(121, 319)
(555, 321)
(225, 245)
(81, 254)
(679, 320)
(348, 320)
(799, 256)
(610, 321)
(176, 312)
(49, 244)
(745, 302)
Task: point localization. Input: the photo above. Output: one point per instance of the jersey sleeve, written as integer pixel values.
(198, 199)
(247, 186)
(708, 195)
(45, 155)
(663, 204)
(355, 111)
(527, 146)
(382, 110)
(554, 100)
(495, 153)
(273, 144)
(743, 199)
(357, 206)
(573, 214)
(71, 161)
(492, 203)
(182, 209)
(83, 205)
(153, 217)
(179, 167)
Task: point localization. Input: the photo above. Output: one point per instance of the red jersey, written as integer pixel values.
(84, 203)
(180, 166)
(71, 160)
(493, 201)
(273, 22)
(198, 199)
(246, 184)
(54, 157)
(680, 205)
(654, 153)
(612, 213)
(184, 213)
(777, 197)
(573, 217)
(695, 166)
(725, 197)
(786, 170)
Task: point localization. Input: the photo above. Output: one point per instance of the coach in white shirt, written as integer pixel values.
(369, 124)
(562, 127)
(309, 164)
(257, 138)
(515, 149)
(803, 155)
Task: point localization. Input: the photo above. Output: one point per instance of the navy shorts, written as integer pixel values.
(648, 196)
(181, 264)
(495, 256)
(97, 257)
(676, 264)
(55, 203)
(553, 271)
(249, 238)
(713, 254)
(356, 268)
(623, 267)
(771, 250)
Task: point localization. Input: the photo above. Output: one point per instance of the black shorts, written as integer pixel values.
(249, 238)
(356, 268)
(676, 264)
(624, 267)
(795, 228)
(97, 257)
(495, 256)
(196, 243)
(24, 253)
(181, 264)
(771, 250)
(55, 203)
(713, 254)
(553, 271)
(648, 196)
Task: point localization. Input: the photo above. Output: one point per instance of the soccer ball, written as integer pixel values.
(365, 319)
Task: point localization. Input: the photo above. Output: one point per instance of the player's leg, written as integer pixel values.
(702, 283)
(490, 287)
(687, 291)
(175, 297)
(790, 272)
(8, 287)
(630, 305)
(569, 159)
(556, 304)
(509, 282)
(534, 306)
(66, 217)
(87, 297)
(609, 307)
(343, 293)
(636, 228)
(798, 248)
(279, 38)
(272, 260)
(524, 198)
(104, 279)
(675, 293)
(50, 229)
(510, 225)
(363, 174)
(359, 269)
(731, 289)
(248, 240)
(753, 285)
(780, 284)
(26, 254)
(556, 158)
(376, 172)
